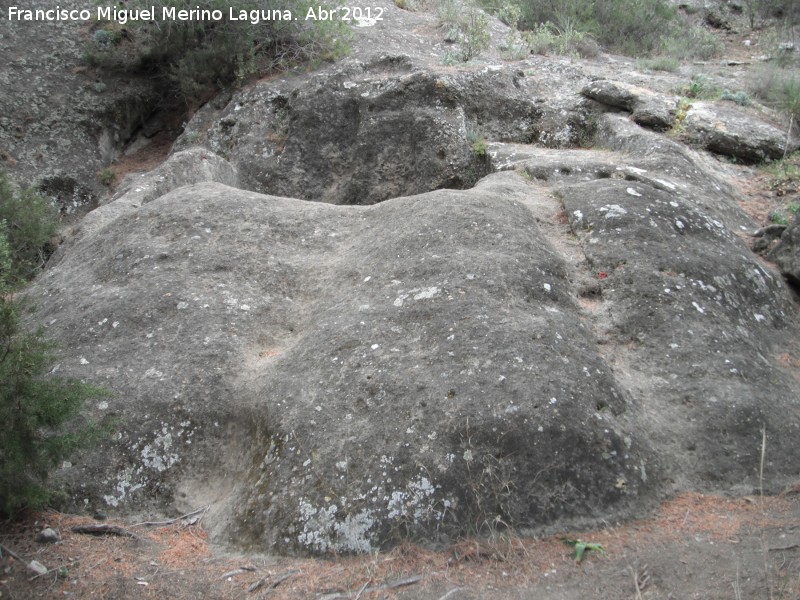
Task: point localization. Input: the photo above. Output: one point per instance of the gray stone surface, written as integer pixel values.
(786, 254)
(647, 108)
(62, 122)
(567, 343)
(364, 132)
(731, 131)
(558, 345)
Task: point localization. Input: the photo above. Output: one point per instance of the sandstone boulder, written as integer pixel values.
(330, 378)
(786, 254)
(361, 133)
(647, 108)
(733, 132)
(543, 350)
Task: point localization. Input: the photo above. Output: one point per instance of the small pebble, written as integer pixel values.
(48, 536)
(37, 567)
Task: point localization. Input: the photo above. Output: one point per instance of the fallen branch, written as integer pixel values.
(400, 583)
(274, 584)
(451, 592)
(779, 548)
(171, 521)
(361, 591)
(386, 586)
(8, 550)
(238, 571)
(102, 530)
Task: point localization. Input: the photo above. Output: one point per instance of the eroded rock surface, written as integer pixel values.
(731, 131)
(582, 333)
(565, 342)
(62, 122)
(381, 129)
(786, 253)
(647, 108)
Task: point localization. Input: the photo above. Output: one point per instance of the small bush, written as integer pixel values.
(661, 63)
(196, 57)
(106, 176)
(548, 38)
(478, 143)
(779, 89)
(741, 97)
(784, 175)
(701, 88)
(30, 222)
(34, 407)
(33, 410)
(513, 47)
(467, 25)
(688, 42)
(778, 218)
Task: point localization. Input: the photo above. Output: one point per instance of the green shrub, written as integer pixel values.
(778, 218)
(629, 26)
(741, 97)
(513, 47)
(30, 222)
(549, 38)
(467, 25)
(660, 63)
(478, 143)
(779, 88)
(686, 42)
(106, 176)
(195, 57)
(701, 88)
(34, 406)
(632, 27)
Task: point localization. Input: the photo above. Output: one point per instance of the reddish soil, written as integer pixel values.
(694, 546)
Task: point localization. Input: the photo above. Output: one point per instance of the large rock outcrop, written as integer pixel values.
(380, 129)
(333, 378)
(567, 342)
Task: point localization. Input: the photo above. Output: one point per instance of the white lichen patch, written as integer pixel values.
(324, 529)
(156, 456)
(613, 211)
(417, 294)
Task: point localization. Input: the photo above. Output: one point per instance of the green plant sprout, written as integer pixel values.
(582, 547)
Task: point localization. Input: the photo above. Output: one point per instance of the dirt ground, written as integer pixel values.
(694, 546)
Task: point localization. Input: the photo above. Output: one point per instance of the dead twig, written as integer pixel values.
(361, 591)
(7, 550)
(639, 581)
(386, 586)
(789, 547)
(279, 580)
(238, 571)
(401, 583)
(451, 592)
(171, 521)
(102, 530)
